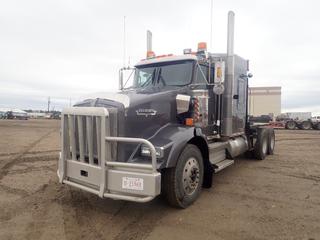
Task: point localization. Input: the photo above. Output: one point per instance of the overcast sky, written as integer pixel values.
(66, 49)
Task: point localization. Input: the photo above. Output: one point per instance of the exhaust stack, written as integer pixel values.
(230, 33)
(149, 41)
(227, 129)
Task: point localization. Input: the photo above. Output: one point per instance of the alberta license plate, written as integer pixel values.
(132, 183)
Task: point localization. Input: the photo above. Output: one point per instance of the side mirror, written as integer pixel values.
(122, 74)
(250, 75)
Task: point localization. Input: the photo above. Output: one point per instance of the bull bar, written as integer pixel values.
(86, 160)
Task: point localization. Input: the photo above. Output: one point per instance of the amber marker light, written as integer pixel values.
(202, 46)
(189, 121)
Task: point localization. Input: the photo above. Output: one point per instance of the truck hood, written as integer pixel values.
(135, 97)
(141, 113)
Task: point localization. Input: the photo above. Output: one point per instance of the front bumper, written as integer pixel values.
(105, 178)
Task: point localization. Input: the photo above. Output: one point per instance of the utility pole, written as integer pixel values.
(49, 104)
(211, 22)
(124, 41)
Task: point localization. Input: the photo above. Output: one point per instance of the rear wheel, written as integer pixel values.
(291, 125)
(261, 146)
(305, 125)
(317, 126)
(271, 141)
(181, 185)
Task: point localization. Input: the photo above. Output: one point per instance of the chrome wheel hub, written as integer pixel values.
(191, 176)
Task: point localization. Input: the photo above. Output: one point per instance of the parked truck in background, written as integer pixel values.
(300, 120)
(183, 119)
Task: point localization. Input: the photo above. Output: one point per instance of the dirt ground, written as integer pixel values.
(277, 198)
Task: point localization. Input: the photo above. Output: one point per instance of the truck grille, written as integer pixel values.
(88, 157)
(82, 137)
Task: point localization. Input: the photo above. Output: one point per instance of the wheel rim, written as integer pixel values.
(264, 146)
(191, 176)
(291, 125)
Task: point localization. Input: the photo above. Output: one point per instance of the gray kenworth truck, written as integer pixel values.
(183, 119)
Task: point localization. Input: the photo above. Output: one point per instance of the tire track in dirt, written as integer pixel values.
(29, 152)
(32, 168)
(11, 190)
(23, 193)
(11, 162)
(77, 220)
(21, 205)
(145, 221)
(82, 217)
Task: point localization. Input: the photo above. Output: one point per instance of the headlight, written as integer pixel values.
(146, 152)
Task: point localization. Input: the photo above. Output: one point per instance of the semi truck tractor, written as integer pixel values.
(300, 120)
(183, 119)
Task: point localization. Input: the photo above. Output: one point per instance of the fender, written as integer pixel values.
(173, 139)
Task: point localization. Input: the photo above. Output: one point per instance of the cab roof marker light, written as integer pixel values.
(150, 54)
(164, 55)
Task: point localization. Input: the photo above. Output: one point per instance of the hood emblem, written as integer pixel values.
(146, 112)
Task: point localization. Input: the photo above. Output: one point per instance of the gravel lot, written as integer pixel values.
(278, 198)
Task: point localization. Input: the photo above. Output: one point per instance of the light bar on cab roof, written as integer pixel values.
(202, 46)
(150, 54)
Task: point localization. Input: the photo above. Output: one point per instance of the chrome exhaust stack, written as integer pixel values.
(230, 47)
(227, 129)
(149, 41)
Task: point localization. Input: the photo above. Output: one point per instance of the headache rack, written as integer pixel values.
(88, 158)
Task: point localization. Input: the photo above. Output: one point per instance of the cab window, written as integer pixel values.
(203, 77)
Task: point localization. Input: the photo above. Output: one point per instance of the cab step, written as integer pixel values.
(223, 164)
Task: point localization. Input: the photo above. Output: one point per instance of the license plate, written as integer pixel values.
(132, 183)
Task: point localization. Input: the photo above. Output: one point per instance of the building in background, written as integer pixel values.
(265, 101)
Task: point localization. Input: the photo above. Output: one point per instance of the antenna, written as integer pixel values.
(124, 41)
(211, 21)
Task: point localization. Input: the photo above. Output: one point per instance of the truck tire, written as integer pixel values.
(271, 141)
(261, 146)
(316, 126)
(181, 185)
(305, 125)
(291, 125)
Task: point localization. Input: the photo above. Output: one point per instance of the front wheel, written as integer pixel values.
(181, 185)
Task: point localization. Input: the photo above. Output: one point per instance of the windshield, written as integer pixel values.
(165, 74)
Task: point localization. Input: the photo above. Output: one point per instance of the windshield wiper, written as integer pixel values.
(160, 78)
